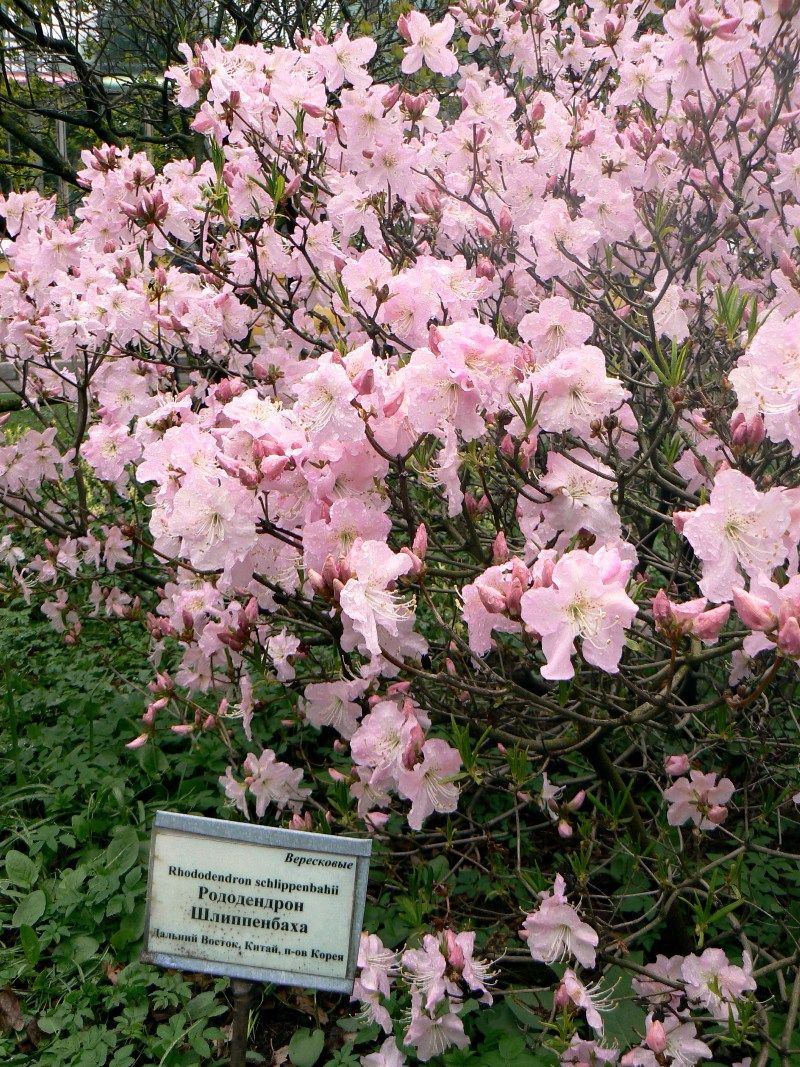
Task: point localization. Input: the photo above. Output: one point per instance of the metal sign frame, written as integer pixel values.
(357, 848)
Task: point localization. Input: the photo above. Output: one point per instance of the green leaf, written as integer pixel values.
(123, 851)
(21, 869)
(30, 944)
(30, 909)
(80, 949)
(305, 1047)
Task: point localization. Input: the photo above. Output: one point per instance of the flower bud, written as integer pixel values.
(675, 765)
(708, 626)
(389, 99)
(419, 546)
(754, 611)
(492, 599)
(656, 1036)
(789, 638)
(500, 551)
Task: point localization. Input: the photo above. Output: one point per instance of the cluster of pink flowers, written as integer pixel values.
(391, 754)
(455, 407)
(699, 798)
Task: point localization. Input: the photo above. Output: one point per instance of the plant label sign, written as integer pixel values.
(255, 902)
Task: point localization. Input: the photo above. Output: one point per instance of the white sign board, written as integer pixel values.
(255, 902)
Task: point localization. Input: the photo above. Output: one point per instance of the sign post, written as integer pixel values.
(255, 903)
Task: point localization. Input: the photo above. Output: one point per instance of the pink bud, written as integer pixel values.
(676, 765)
(727, 27)
(272, 466)
(402, 28)
(505, 223)
(419, 545)
(389, 99)
(337, 776)
(789, 638)
(564, 829)
(662, 607)
(754, 611)
(500, 551)
(708, 626)
(455, 954)
(292, 187)
(182, 728)
(316, 581)
(577, 801)
(656, 1036)
(417, 568)
(514, 598)
(756, 432)
(562, 997)
(717, 815)
(138, 742)
(484, 268)
(492, 599)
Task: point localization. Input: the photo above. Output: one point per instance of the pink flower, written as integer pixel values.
(215, 521)
(427, 44)
(699, 798)
(272, 782)
(555, 932)
(715, 984)
(235, 791)
(424, 969)
(431, 1037)
(767, 379)
(476, 973)
(554, 327)
(583, 1053)
(573, 391)
(586, 599)
(343, 60)
(388, 1056)
(589, 998)
(281, 649)
(656, 992)
(370, 605)
(580, 489)
(382, 738)
(377, 965)
(430, 785)
(488, 601)
(739, 529)
(325, 405)
(333, 704)
(682, 1048)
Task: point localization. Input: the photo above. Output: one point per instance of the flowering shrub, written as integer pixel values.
(443, 434)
